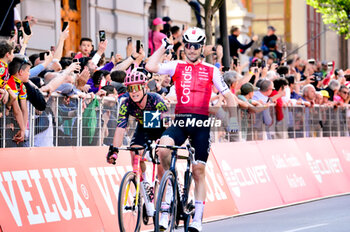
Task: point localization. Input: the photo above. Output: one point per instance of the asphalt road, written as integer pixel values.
(327, 215)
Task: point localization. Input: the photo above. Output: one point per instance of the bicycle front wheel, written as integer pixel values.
(129, 213)
(166, 205)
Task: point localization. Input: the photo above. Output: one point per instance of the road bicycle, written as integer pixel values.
(130, 192)
(173, 198)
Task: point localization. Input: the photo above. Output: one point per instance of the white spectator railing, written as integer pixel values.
(88, 122)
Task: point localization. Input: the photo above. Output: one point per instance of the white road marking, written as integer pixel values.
(306, 227)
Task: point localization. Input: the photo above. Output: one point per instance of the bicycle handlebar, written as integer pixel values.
(188, 147)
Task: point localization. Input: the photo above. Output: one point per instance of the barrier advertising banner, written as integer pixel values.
(44, 189)
(342, 147)
(247, 175)
(73, 189)
(325, 165)
(290, 170)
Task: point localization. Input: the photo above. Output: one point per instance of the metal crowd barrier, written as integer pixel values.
(92, 122)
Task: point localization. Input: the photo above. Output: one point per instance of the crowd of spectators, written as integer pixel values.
(272, 81)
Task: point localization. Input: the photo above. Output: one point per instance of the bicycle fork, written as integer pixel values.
(137, 171)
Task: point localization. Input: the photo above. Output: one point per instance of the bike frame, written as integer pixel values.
(137, 170)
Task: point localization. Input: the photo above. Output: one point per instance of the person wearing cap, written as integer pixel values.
(325, 96)
(246, 94)
(268, 38)
(155, 36)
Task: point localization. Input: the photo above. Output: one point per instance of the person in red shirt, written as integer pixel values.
(19, 71)
(6, 56)
(193, 80)
(85, 48)
(279, 91)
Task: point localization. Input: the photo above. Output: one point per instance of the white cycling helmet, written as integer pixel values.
(194, 35)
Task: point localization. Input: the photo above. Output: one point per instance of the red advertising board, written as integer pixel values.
(290, 170)
(325, 165)
(73, 189)
(44, 189)
(250, 181)
(342, 147)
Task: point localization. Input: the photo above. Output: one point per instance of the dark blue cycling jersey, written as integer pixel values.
(129, 107)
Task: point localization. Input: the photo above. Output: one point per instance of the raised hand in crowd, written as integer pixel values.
(102, 46)
(116, 59)
(24, 42)
(208, 50)
(255, 38)
(4, 96)
(82, 79)
(59, 48)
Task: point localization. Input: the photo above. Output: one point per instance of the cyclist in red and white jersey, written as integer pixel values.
(193, 80)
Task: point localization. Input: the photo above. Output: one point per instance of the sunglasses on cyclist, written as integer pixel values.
(134, 88)
(196, 46)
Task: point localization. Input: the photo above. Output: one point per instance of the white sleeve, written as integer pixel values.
(219, 82)
(167, 68)
(96, 58)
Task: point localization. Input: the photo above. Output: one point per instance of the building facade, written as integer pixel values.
(119, 18)
(297, 25)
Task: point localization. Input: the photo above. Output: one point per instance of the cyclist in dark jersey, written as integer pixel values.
(193, 80)
(134, 105)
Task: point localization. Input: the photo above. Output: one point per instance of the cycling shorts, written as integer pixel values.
(199, 136)
(141, 134)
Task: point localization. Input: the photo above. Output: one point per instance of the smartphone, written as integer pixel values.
(112, 54)
(13, 32)
(18, 25)
(138, 46)
(152, 85)
(183, 27)
(168, 34)
(129, 39)
(52, 48)
(102, 35)
(214, 49)
(75, 60)
(225, 69)
(26, 28)
(19, 35)
(65, 25)
(235, 61)
(42, 55)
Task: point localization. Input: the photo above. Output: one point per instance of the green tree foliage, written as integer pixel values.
(335, 13)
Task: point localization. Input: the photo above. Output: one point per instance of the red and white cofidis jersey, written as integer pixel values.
(193, 84)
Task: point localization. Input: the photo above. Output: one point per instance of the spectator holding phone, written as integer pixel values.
(235, 45)
(155, 37)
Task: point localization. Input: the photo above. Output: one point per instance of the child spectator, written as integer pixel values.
(85, 48)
